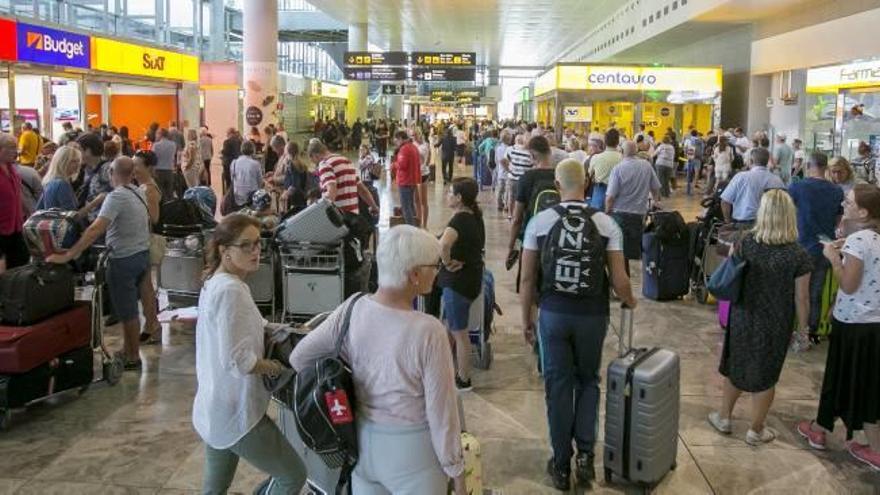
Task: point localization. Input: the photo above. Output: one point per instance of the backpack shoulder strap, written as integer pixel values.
(346, 321)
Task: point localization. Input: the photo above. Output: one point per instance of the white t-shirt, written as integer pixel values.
(460, 137)
(723, 161)
(579, 155)
(863, 305)
(500, 153)
(540, 225)
(229, 340)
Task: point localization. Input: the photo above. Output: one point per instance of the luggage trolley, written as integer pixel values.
(312, 278)
(180, 273)
(58, 376)
(262, 282)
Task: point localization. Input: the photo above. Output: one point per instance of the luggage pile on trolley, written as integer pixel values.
(186, 224)
(48, 338)
(322, 259)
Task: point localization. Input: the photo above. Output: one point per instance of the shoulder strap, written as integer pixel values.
(346, 320)
(138, 196)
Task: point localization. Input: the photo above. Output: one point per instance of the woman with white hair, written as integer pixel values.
(407, 413)
(57, 189)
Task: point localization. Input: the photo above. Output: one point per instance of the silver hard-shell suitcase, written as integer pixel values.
(641, 411)
(321, 222)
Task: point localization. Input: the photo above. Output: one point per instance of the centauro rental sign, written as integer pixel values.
(630, 78)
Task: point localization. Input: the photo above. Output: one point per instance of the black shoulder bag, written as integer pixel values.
(324, 407)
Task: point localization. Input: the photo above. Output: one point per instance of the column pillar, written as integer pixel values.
(260, 63)
(395, 102)
(356, 106)
(217, 38)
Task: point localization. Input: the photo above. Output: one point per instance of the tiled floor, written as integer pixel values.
(136, 437)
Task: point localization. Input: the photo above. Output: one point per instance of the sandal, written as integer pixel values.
(151, 338)
(129, 365)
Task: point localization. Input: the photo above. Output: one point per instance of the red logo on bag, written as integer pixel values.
(337, 405)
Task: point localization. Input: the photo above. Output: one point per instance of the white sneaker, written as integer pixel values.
(754, 439)
(720, 424)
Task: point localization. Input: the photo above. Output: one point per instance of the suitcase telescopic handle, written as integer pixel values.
(626, 330)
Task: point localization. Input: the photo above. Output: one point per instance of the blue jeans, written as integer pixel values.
(693, 169)
(597, 200)
(571, 353)
(408, 204)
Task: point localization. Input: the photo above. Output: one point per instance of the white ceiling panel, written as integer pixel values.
(501, 32)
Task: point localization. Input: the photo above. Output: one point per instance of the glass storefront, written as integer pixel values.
(843, 108)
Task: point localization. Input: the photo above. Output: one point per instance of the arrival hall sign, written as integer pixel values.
(630, 78)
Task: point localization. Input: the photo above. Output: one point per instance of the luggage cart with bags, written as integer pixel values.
(312, 278)
(57, 353)
(262, 283)
(182, 267)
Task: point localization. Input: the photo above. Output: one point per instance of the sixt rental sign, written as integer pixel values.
(44, 45)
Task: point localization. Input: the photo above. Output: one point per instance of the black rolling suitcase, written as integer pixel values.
(666, 257)
(31, 293)
(71, 370)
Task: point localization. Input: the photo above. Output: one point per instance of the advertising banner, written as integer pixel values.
(126, 58)
(44, 45)
(7, 39)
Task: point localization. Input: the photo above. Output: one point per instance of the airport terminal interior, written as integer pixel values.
(583, 228)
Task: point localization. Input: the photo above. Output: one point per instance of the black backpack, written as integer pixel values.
(544, 195)
(324, 405)
(182, 213)
(492, 163)
(573, 255)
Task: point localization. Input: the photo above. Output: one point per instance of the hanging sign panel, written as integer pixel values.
(7, 40)
(374, 73)
(445, 74)
(443, 58)
(375, 58)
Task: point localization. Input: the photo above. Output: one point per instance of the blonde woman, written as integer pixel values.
(57, 189)
(841, 173)
(191, 163)
(774, 290)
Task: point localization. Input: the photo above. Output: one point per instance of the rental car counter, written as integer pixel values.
(585, 97)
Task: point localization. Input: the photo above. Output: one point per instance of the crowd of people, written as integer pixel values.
(800, 217)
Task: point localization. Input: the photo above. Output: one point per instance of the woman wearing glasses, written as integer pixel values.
(229, 411)
(407, 414)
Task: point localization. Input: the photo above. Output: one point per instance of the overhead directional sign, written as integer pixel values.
(375, 58)
(443, 59)
(374, 73)
(393, 89)
(444, 74)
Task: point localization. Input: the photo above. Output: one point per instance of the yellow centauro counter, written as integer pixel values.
(629, 78)
(126, 58)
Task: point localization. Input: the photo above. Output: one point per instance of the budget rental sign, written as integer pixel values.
(44, 45)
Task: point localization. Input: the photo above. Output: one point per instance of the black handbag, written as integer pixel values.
(324, 407)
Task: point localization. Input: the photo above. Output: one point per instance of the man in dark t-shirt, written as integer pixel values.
(819, 208)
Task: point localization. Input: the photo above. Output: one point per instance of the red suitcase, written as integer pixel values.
(24, 348)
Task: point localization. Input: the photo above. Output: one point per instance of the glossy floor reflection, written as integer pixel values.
(136, 437)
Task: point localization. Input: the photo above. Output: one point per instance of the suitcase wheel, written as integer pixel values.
(5, 419)
(608, 475)
(112, 371)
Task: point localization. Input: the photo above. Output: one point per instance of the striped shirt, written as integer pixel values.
(520, 161)
(340, 171)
